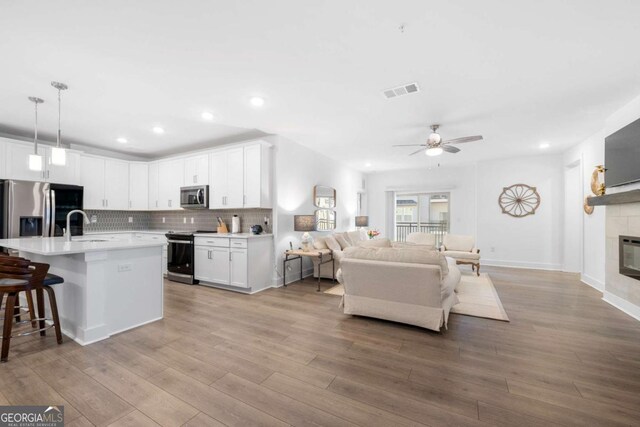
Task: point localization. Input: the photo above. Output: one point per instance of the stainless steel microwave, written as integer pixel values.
(196, 197)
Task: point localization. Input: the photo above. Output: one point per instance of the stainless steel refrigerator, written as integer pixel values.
(33, 209)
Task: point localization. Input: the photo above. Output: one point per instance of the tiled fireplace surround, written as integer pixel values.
(175, 220)
(620, 290)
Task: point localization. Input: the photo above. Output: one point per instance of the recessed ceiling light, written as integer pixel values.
(122, 140)
(256, 101)
(368, 165)
(207, 115)
(158, 130)
(544, 145)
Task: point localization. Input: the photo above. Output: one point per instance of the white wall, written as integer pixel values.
(534, 241)
(297, 170)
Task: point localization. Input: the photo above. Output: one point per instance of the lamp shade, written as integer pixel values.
(304, 222)
(362, 221)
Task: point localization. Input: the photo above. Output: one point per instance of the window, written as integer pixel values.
(421, 212)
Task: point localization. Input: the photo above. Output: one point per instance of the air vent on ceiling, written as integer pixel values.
(401, 90)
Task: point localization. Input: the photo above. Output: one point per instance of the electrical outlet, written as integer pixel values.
(124, 267)
(94, 219)
(184, 220)
(130, 219)
(191, 220)
(163, 220)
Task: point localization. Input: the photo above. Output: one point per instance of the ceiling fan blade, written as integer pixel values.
(416, 152)
(463, 139)
(450, 148)
(410, 145)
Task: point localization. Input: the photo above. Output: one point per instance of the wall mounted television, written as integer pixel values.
(622, 155)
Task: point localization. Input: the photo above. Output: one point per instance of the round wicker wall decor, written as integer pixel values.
(519, 200)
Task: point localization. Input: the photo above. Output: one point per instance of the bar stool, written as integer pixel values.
(18, 278)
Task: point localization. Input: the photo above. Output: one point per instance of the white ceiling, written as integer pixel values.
(517, 72)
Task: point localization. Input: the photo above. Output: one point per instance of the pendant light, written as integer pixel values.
(35, 160)
(59, 154)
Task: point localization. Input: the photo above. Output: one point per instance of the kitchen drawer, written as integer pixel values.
(238, 243)
(220, 242)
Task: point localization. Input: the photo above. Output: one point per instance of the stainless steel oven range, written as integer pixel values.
(180, 256)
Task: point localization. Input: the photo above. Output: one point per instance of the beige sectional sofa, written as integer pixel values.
(404, 284)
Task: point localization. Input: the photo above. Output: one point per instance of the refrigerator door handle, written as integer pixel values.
(52, 222)
(46, 210)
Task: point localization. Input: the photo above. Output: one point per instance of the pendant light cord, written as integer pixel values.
(35, 136)
(59, 108)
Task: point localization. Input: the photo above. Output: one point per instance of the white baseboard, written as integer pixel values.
(622, 304)
(594, 283)
(520, 264)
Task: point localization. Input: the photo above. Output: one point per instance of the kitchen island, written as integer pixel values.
(110, 285)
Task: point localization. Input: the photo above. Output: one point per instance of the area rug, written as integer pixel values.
(477, 295)
(478, 298)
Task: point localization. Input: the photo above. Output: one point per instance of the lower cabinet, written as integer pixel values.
(243, 264)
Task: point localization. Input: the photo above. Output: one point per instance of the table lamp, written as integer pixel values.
(362, 221)
(305, 223)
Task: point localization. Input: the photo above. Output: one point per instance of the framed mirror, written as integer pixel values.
(325, 219)
(324, 197)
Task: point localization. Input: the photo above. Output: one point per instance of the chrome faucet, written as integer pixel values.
(67, 231)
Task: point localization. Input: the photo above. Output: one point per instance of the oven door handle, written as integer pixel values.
(181, 242)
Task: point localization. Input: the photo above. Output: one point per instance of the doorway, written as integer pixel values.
(421, 212)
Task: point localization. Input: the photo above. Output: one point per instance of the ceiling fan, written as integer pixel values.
(436, 146)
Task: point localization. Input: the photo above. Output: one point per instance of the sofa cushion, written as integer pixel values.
(356, 236)
(451, 280)
(462, 255)
(332, 243)
(456, 242)
(408, 245)
(422, 239)
(320, 243)
(411, 256)
(342, 240)
(374, 243)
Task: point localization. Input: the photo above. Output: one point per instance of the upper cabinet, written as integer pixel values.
(138, 186)
(171, 174)
(106, 183)
(240, 177)
(17, 164)
(257, 176)
(154, 186)
(196, 170)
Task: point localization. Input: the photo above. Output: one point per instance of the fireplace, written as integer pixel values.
(630, 256)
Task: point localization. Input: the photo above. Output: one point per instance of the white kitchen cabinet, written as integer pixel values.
(203, 263)
(171, 175)
(3, 159)
(116, 184)
(154, 186)
(226, 179)
(106, 183)
(257, 176)
(242, 264)
(138, 186)
(92, 174)
(196, 170)
(238, 268)
(16, 164)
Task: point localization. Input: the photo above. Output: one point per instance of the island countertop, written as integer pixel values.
(52, 246)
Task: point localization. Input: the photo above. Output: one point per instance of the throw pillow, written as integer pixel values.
(342, 240)
(332, 244)
(354, 237)
(320, 244)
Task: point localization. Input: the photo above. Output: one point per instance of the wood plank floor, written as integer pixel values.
(289, 356)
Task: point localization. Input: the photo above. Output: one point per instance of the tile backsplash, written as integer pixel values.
(184, 220)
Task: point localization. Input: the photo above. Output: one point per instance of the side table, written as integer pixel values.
(321, 256)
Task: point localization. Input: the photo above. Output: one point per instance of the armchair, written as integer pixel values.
(462, 249)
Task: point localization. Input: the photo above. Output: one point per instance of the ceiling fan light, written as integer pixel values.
(433, 151)
(58, 156)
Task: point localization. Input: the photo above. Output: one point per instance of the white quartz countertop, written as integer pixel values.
(59, 246)
(226, 235)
